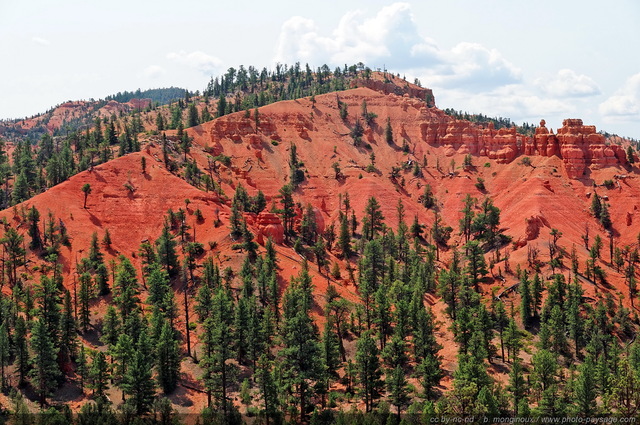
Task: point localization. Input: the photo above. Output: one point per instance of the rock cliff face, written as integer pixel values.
(578, 145)
(393, 87)
(463, 137)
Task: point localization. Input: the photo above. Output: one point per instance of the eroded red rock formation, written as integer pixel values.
(270, 226)
(578, 145)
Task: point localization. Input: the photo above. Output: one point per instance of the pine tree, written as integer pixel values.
(575, 322)
(48, 297)
(166, 246)
(122, 353)
(625, 394)
(584, 390)
(157, 284)
(20, 188)
(395, 352)
(557, 326)
(398, 389)
(416, 228)
(368, 368)
(84, 298)
(371, 272)
(330, 349)
(308, 227)
(545, 368)
(222, 105)
(425, 349)
(427, 198)
(138, 382)
(373, 219)
(241, 326)
(185, 146)
(99, 377)
(467, 216)
(168, 359)
(86, 190)
(268, 387)
(382, 315)
(21, 350)
(429, 374)
(288, 212)
(111, 327)
(501, 321)
(476, 265)
(517, 386)
(160, 125)
(471, 382)
(301, 352)
(512, 339)
(449, 286)
(319, 250)
(218, 341)
(13, 246)
(95, 255)
(33, 217)
(176, 117)
(68, 329)
(192, 117)
(82, 369)
(126, 287)
(205, 116)
(344, 237)
(45, 372)
(525, 299)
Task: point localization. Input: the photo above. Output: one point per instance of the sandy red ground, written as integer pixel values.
(260, 161)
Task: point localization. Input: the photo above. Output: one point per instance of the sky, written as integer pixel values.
(548, 59)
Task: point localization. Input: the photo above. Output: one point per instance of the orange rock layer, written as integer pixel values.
(579, 146)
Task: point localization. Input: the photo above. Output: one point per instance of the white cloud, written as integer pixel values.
(153, 72)
(202, 62)
(391, 39)
(474, 66)
(567, 83)
(41, 41)
(624, 104)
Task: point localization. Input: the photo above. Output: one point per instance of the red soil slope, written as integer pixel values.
(552, 192)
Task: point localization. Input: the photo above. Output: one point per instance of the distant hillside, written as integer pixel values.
(75, 116)
(159, 96)
(206, 255)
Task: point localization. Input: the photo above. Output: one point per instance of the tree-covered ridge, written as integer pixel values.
(161, 96)
(498, 122)
(35, 168)
(250, 87)
(86, 140)
(247, 88)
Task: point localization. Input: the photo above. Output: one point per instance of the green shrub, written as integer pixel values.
(526, 161)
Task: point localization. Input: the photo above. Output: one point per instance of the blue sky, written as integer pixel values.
(514, 58)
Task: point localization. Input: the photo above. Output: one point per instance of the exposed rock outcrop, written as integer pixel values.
(581, 147)
(269, 226)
